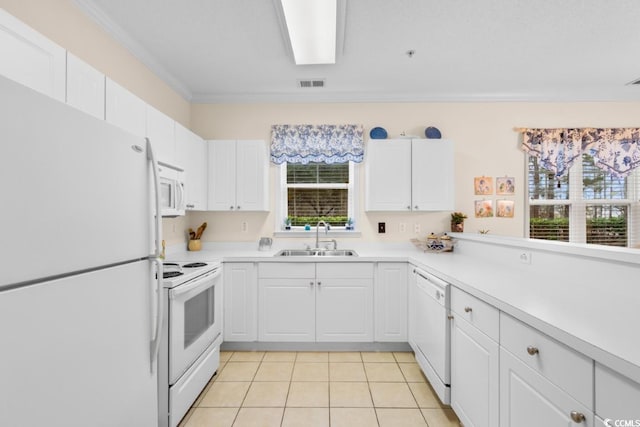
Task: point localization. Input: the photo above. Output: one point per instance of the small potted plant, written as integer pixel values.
(349, 224)
(287, 223)
(457, 222)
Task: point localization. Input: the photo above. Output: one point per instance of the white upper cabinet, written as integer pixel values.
(191, 153)
(410, 175)
(30, 58)
(125, 110)
(432, 175)
(162, 135)
(85, 87)
(388, 172)
(238, 176)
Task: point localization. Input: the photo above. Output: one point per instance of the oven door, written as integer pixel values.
(195, 320)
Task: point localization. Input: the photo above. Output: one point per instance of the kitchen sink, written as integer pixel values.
(316, 252)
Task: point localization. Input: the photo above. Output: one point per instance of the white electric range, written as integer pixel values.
(191, 335)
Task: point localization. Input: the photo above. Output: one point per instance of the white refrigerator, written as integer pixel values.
(79, 254)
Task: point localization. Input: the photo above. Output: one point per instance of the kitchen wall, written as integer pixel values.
(64, 23)
(486, 143)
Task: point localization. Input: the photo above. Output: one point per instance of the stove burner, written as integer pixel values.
(170, 274)
(170, 264)
(195, 265)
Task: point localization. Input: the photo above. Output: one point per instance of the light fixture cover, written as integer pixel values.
(312, 30)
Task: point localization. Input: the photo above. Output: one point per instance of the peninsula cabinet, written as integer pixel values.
(30, 58)
(324, 302)
(238, 177)
(542, 382)
(410, 175)
(474, 360)
(617, 397)
(240, 285)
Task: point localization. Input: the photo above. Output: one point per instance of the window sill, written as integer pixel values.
(312, 232)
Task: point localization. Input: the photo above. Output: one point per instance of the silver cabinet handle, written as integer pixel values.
(231, 207)
(415, 207)
(319, 283)
(578, 417)
(468, 309)
(409, 207)
(532, 350)
(450, 317)
(237, 207)
(310, 283)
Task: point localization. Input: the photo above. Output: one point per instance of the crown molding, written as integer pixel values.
(136, 49)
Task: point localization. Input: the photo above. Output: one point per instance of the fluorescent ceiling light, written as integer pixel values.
(312, 30)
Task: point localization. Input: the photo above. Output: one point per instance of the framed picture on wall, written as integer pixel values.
(505, 208)
(483, 185)
(483, 208)
(505, 186)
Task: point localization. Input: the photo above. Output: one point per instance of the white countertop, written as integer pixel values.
(578, 301)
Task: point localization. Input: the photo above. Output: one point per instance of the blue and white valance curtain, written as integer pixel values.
(317, 143)
(615, 150)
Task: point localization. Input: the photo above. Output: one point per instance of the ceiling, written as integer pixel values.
(465, 50)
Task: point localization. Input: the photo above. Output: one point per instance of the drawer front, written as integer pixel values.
(617, 397)
(287, 270)
(344, 270)
(566, 368)
(480, 314)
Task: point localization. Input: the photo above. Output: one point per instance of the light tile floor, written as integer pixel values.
(318, 389)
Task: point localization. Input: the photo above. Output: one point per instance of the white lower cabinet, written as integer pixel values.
(390, 295)
(240, 302)
(527, 399)
(617, 397)
(329, 302)
(474, 375)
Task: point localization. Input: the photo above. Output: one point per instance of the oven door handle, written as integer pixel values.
(195, 284)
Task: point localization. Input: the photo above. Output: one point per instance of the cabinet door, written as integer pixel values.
(240, 302)
(191, 152)
(527, 399)
(474, 375)
(432, 175)
(388, 175)
(124, 109)
(85, 87)
(162, 135)
(251, 176)
(391, 302)
(344, 309)
(30, 58)
(287, 309)
(221, 182)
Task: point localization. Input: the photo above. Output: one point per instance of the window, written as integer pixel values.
(587, 206)
(317, 192)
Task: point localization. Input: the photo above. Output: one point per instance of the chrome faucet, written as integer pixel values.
(326, 230)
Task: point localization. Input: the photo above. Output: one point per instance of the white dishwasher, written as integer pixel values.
(431, 331)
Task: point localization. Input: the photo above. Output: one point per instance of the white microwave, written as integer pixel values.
(172, 196)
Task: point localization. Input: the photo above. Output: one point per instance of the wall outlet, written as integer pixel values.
(403, 227)
(525, 257)
(416, 228)
(382, 227)
(244, 227)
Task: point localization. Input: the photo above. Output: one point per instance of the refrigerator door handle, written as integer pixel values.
(155, 339)
(156, 259)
